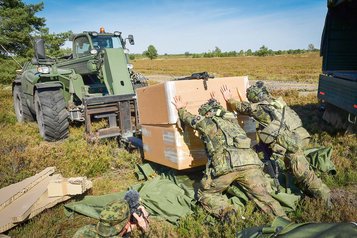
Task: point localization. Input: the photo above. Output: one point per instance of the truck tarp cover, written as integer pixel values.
(338, 43)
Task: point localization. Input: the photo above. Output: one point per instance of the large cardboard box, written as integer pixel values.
(155, 102)
(172, 147)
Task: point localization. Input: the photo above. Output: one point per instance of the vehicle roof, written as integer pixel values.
(88, 33)
(334, 3)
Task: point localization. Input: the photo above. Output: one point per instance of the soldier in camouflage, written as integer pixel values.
(231, 159)
(113, 219)
(280, 130)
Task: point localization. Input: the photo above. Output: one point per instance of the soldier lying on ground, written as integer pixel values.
(118, 219)
(280, 130)
(230, 159)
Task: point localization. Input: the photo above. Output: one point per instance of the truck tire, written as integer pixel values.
(22, 110)
(335, 116)
(51, 114)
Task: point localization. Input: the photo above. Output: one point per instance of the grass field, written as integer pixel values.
(301, 68)
(23, 153)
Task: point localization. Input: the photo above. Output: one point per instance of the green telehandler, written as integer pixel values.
(95, 81)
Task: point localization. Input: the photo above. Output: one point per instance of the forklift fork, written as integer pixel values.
(118, 110)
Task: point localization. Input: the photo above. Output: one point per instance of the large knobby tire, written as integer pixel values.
(51, 114)
(22, 110)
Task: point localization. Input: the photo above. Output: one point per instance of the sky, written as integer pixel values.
(175, 27)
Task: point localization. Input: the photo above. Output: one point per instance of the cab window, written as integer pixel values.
(82, 47)
(101, 42)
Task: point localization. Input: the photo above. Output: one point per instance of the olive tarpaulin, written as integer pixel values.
(169, 197)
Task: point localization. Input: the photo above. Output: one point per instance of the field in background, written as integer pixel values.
(302, 67)
(299, 67)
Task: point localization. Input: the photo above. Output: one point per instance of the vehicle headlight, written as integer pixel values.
(130, 66)
(43, 69)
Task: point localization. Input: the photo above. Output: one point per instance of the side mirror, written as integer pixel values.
(40, 49)
(131, 39)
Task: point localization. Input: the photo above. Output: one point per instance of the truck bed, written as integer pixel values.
(340, 91)
(347, 75)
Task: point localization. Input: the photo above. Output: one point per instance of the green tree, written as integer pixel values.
(151, 52)
(263, 51)
(310, 47)
(132, 56)
(17, 24)
(217, 51)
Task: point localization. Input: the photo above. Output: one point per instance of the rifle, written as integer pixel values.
(203, 75)
(239, 95)
(274, 173)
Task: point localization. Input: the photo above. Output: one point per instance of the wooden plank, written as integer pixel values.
(14, 191)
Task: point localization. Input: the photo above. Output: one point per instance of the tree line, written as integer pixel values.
(262, 51)
(152, 53)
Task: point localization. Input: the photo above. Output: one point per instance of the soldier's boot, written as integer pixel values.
(304, 175)
(257, 187)
(319, 190)
(215, 203)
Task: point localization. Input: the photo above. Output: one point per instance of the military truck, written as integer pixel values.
(95, 81)
(337, 89)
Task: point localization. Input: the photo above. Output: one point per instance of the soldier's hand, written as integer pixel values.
(226, 93)
(179, 103)
(213, 96)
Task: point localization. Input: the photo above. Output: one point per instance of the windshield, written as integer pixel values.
(101, 42)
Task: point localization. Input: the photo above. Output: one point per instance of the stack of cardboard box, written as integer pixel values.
(164, 142)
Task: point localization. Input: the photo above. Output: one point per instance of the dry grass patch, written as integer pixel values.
(301, 68)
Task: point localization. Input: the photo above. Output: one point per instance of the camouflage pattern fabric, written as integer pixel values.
(257, 92)
(287, 140)
(304, 175)
(229, 163)
(87, 231)
(112, 220)
(253, 182)
(223, 138)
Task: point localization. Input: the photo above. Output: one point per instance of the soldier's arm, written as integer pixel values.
(187, 117)
(240, 107)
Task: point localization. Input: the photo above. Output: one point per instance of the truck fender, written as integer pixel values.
(48, 85)
(17, 81)
(42, 86)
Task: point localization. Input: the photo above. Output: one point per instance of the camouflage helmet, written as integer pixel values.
(211, 105)
(113, 218)
(257, 92)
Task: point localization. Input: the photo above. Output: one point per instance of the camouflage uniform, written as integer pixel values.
(231, 159)
(280, 129)
(112, 220)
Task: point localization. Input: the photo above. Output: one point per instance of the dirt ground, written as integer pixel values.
(345, 196)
